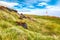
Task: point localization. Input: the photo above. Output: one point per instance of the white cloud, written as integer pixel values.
(7, 4)
(42, 3)
(34, 11)
(24, 10)
(55, 8)
(52, 11)
(30, 6)
(29, 2)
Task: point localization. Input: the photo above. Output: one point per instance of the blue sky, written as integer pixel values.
(36, 7)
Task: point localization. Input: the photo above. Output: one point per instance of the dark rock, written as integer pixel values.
(23, 24)
(22, 16)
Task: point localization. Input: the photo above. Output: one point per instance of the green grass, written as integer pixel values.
(39, 28)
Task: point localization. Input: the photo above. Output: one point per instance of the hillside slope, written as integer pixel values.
(14, 26)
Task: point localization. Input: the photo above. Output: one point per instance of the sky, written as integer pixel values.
(34, 7)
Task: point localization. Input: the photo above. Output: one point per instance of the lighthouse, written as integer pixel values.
(46, 12)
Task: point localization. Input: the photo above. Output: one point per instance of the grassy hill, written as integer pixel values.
(14, 26)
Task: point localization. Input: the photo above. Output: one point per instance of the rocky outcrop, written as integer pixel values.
(2, 8)
(23, 24)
